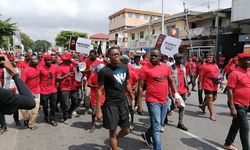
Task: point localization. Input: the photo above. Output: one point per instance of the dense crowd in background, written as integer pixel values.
(114, 86)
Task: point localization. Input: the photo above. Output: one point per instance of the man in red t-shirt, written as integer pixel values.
(31, 77)
(180, 77)
(48, 73)
(87, 72)
(23, 64)
(93, 84)
(238, 89)
(157, 77)
(133, 80)
(191, 70)
(66, 78)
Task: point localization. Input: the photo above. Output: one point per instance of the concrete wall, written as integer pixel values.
(240, 10)
(151, 38)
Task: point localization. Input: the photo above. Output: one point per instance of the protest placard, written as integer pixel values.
(80, 45)
(168, 45)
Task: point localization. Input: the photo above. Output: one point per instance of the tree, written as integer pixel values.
(26, 41)
(42, 45)
(63, 38)
(7, 29)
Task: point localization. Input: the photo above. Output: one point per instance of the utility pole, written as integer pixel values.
(162, 17)
(187, 28)
(150, 30)
(217, 51)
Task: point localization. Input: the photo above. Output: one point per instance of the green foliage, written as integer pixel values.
(4, 42)
(94, 44)
(63, 38)
(7, 29)
(26, 41)
(42, 45)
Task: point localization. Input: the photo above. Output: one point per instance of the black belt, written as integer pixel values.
(240, 106)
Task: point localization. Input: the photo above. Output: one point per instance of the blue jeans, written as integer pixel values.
(157, 113)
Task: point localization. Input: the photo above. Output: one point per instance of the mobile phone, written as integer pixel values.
(2, 59)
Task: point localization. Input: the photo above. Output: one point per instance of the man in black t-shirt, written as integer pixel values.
(113, 78)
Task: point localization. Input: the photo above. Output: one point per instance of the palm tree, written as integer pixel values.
(7, 29)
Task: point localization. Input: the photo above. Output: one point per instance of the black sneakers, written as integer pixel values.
(182, 127)
(17, 123)
(147, 140)
(26, 123)
(53, 123)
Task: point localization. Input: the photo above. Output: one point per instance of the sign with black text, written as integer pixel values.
(80, 45)
(168, 45)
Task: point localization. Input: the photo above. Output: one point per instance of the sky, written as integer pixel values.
(44, 19)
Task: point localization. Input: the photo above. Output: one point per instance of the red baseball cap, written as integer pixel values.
(243, 55)
(66, 56)
(47, 57)
(27, 54)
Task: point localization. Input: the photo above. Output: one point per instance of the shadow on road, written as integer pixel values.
(224, 114)
(217, 144)
(125, 143)
(140, 127)
(221, 105)
(188, 104)
(195, 114)
(195, 143)
(128, 143)
(88, 146)
(144, 121)
(82, 125)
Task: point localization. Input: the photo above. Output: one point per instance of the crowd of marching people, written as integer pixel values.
(112, 88)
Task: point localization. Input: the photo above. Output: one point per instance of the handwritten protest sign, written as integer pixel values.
(168, 45)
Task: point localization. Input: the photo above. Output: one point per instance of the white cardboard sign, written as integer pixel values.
(83, 45)
(170, 46)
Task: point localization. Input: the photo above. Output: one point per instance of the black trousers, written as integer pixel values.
(2, 121)
(16, 116)
(192, 81)
(49, 100)
(239, 123)
(200, 91)
(69, 102)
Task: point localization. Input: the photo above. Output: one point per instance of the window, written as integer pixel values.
(130, 15)
(141, 35)
(193, 25)
(137, 16)
(146, 17)
(133, 36)
(155, 18)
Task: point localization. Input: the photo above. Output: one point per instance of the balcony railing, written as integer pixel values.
(198, 32)
(202, 31)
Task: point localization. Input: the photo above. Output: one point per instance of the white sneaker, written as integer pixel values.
(75, 114)
(162, 129)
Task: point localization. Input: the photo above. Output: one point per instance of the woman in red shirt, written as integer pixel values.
(209, 73)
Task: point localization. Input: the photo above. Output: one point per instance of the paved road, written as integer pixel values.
(203, 133)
